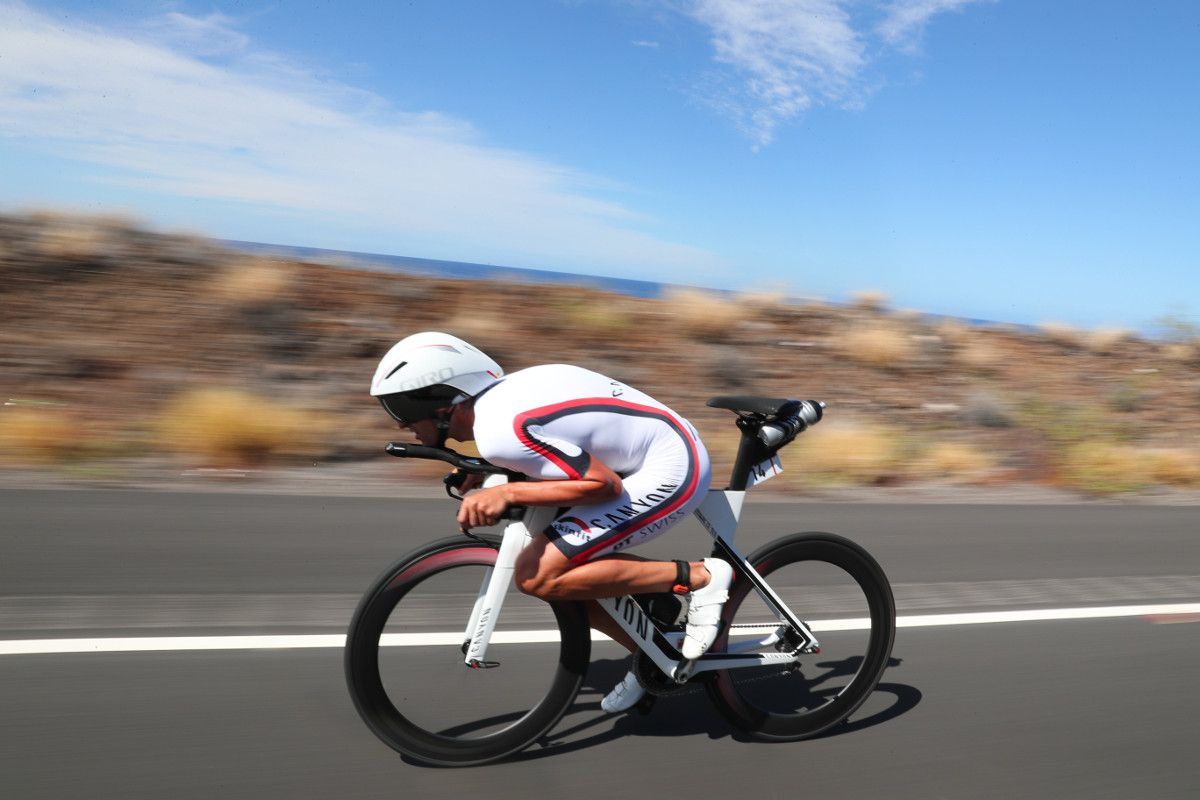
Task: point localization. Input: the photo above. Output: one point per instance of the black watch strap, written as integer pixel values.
(683, 578)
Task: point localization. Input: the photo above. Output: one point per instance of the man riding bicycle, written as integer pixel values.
(621, 468)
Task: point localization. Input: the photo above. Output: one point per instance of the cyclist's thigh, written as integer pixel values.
(654, 499)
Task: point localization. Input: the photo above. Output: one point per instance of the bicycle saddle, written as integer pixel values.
(767, 406)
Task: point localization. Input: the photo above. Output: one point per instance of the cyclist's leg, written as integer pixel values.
(581, 556)
(542, 570)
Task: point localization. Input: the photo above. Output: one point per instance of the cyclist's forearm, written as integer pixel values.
(599, 484)
(560, 493)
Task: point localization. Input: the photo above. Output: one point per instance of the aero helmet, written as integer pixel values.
(428, 371)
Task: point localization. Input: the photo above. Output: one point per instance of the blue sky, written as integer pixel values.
(1011, 160)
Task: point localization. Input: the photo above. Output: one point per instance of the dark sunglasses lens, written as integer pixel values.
(399, 407)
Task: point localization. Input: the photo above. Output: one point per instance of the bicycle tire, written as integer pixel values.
(789, 704)
(408, 712)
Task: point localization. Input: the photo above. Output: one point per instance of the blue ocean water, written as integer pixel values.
(488, 272)
(457, 269)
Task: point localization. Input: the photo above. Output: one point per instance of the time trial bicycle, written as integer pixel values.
(448, 665)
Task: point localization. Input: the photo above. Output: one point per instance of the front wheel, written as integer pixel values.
(836, 587)
(405, 664)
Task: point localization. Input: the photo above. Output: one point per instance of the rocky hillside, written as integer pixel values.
(123, 348)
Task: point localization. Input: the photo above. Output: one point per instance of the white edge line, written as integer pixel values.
(295, 642)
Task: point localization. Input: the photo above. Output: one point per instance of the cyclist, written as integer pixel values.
(621, 468)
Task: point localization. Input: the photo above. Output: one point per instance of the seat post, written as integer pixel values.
(751, 451)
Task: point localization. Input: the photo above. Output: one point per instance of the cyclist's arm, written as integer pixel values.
(596, 485)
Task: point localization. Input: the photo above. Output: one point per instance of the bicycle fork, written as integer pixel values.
(496, 583)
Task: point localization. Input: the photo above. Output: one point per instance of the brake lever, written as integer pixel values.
(455, 480)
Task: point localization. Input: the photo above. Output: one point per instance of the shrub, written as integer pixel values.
(878, 345)
(872, 300)
(1062, 334)
(1104, 341)
(251, 282)
(707, 316)
(1181, 352)
(34, 435)
(954, 461)
(228, 426)
(600, 317)
(848, 452)
(1103, 467)
(1173, 466)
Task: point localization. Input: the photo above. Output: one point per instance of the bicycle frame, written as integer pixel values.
(719, 514)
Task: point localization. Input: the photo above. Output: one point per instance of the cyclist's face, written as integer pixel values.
(426, 431)
(461, 420)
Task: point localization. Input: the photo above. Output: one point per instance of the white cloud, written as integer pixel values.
(789, 54)
(188, 107)
(905, 20)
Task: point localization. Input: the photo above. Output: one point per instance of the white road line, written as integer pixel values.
(186, 643)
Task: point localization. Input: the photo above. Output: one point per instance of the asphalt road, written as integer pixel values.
(1050, 709)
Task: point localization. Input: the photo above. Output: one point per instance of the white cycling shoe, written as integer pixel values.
(624, 696)
(704, 609)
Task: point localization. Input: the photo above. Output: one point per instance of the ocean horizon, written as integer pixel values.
(431, 267)
(436, 268)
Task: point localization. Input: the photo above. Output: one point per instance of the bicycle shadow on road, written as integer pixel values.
(686, 713)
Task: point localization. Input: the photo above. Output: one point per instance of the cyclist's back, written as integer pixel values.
(550, 421)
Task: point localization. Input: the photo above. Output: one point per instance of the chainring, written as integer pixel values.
(653, 679)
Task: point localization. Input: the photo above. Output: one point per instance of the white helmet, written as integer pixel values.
(428, 371)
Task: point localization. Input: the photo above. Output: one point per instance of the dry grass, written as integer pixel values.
(81, 238)
(955, 462)
(869, 300)
(1105, 341)
(37, 435)
(250, 282)
(1105, 468)
(1181, 352)
(979, 356)
(707, 316)
(1173, 466)
(478, 325)
(1063, 334)
(232, 427)
(848, 452)
(878, 344)
(594, 318)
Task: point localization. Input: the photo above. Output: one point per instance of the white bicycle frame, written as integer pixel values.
(719, 513)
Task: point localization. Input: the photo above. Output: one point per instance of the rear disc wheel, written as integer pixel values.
(836, 587)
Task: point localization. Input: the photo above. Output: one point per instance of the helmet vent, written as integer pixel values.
(397, 369)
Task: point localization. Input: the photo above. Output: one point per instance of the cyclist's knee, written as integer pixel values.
(528, 575)
(537, 578)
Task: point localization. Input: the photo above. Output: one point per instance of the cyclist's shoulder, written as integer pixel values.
(533, 383)
(551, 372)
(532, 389)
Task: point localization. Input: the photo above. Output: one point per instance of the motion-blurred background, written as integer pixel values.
(128, 354)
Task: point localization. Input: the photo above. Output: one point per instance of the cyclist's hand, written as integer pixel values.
(482, 508)
(470, 482)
